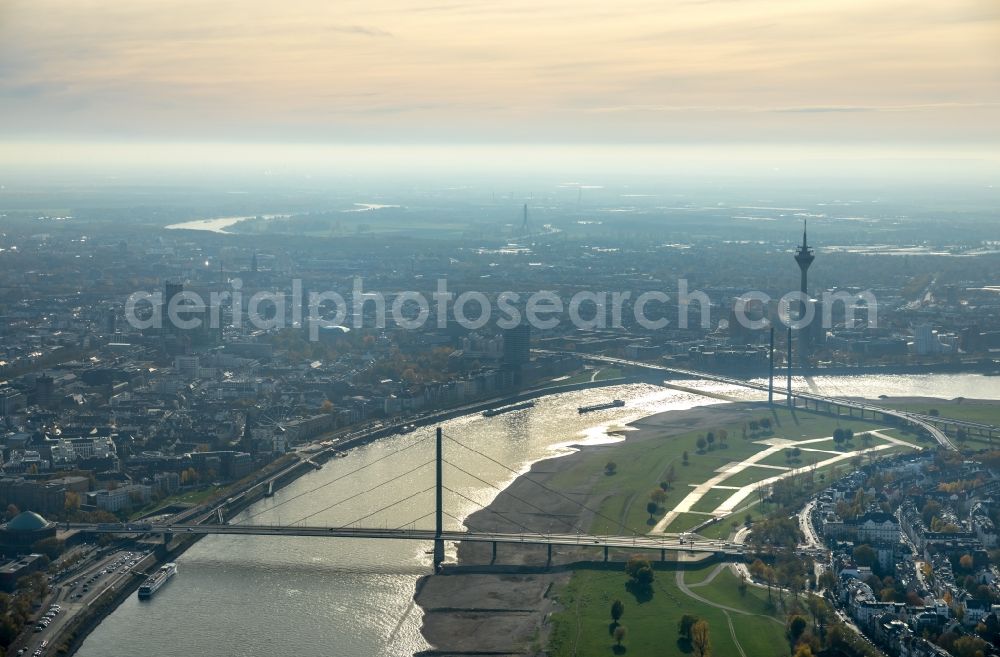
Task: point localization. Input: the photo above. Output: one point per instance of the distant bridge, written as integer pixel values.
(935, 426)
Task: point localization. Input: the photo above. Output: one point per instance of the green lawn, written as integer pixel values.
(712, 499)
(641, 467)
(721, 529)
(907, 436)
(608, 373)
(987, 412)
(580, 377)
(751, 475)
(188, 497)
(584, 376)
(724, 590)
(581, 628)
(685, 521)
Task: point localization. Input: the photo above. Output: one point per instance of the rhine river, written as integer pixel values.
(312, 597)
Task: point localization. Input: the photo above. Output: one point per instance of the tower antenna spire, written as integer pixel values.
(805, 225)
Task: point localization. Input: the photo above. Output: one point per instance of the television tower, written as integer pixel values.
(525, 227)
(804, 256)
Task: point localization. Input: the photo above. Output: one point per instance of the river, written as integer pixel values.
(265, 596)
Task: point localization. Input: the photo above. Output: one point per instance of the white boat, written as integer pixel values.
(157, 579)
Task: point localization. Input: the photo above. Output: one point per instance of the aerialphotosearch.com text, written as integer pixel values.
(410, 309)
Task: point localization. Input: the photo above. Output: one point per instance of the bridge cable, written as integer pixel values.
(364, 492)
(486, 508)
(385, 508)
(519, 499)
(415, 520)
(333, 481)
(551, 490)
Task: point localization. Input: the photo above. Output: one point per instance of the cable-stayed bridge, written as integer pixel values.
(570, 535)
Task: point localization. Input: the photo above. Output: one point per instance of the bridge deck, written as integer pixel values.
(579, 540)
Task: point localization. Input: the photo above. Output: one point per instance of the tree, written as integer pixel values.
(610, 468)
(700, 640)
(617, 609)
(685, 624)
(710, 439)
(620, 633)
(796, 626)
(658, 495)
(864, 555)
(701, 444)
(651, 508)
(640, 571)
(965, 562)
(12, 511)
(72, 501)
(684, 457)
(723, 435)
(765, 424)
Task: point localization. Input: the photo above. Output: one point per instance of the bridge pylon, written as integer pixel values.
(438, 505)
(770, 370)
(788, 358)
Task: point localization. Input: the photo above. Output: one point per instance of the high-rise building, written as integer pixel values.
(44, 390)
(170, 291)
(804, 256)
(517, 351)
(517, 345)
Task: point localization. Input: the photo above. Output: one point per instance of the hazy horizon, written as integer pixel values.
(161, 82)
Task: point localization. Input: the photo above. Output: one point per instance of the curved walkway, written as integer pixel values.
(686, 590)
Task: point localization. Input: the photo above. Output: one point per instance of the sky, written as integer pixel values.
(395, 72)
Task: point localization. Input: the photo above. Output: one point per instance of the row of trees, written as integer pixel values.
(755, 427)
(709, 440)
(843, 436)
(15, 610)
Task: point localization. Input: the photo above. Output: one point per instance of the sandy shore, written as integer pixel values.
(470, 610)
